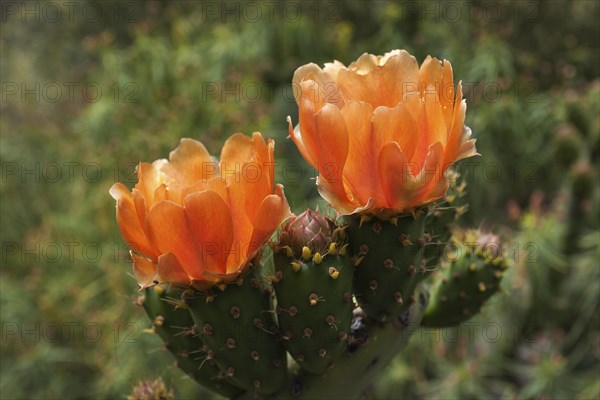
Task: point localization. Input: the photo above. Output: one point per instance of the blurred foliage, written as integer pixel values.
(168, 70)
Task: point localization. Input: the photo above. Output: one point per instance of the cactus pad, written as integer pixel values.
(388, 260)
(469, 277)
(172, 322)
(238, 327)
(314, 307)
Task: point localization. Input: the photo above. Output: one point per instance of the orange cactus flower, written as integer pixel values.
(381, 132)
(193, 220)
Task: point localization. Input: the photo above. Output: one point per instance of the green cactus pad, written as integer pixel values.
(172, 322)
(314, 307)
(463, 284)
(238, 326)
(388, 260)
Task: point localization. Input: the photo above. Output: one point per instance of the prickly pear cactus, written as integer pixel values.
(466, 280)
(442, 217)
(314, 290)
(240, 332)
(171, 320)
(388, 260)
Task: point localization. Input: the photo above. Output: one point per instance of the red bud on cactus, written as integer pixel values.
(310, 229)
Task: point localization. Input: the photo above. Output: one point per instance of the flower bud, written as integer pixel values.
(309, 234)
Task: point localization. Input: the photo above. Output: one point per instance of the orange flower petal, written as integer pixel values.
(140, 206)
(394, 176)
(170, 270)
(456, 131)
(430, 175)
(430, 121)
(323, 88)
(169, 232)
(249, 161)
(144, 270)
(306, 139)
(334, 142)
(273, 210)
(148, 180)
(242, 228)
(395, 124)
(446, 92)
(358, 170)
(129, 222)
(238, 149)
(190, 162)
(215, 184)
(296, 136)
(333, 69)
(161, 193)
(210, 221)
(266, 159)
(430, 73)
(436, 123)
(381, 82)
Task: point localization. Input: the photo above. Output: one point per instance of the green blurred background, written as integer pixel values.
(89, 89)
